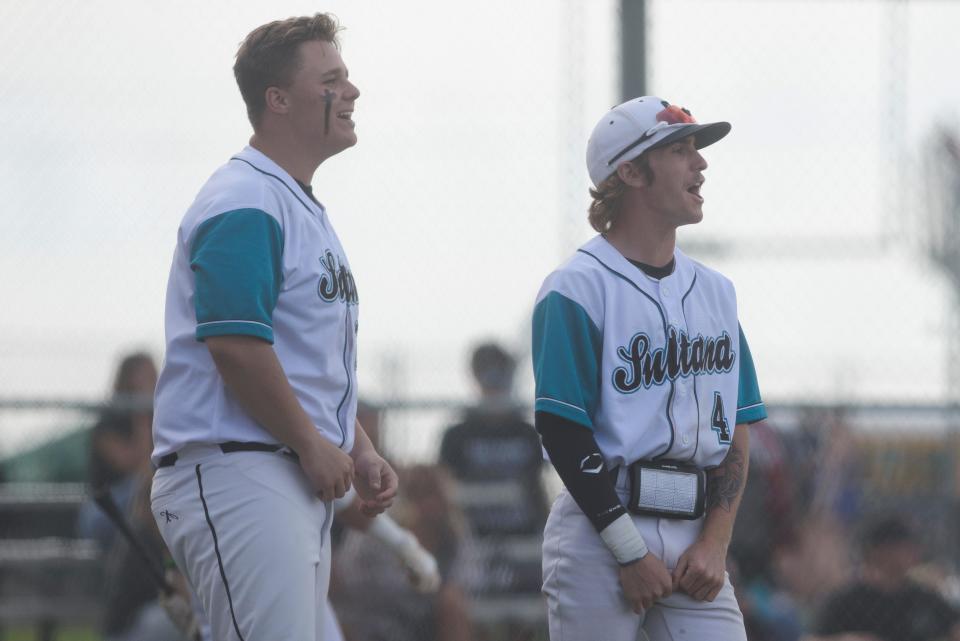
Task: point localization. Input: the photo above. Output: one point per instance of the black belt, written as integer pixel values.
(233, 446)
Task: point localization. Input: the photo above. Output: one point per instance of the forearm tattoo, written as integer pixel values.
(725, 482)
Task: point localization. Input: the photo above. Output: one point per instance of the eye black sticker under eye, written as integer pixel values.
(328, 97)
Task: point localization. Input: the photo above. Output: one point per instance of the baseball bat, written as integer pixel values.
(105, 502)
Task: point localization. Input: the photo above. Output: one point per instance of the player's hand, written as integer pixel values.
(376, 482)
(329, 469)
(645, 582)
(421, 568)
(701, 570)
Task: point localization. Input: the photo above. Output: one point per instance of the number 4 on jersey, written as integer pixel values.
(718, 420)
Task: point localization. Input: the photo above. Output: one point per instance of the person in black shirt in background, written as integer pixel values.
(494, 447)
(883, 604)
(494, 456)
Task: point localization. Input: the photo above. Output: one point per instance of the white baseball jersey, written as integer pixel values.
(256, 256)
(656, 368)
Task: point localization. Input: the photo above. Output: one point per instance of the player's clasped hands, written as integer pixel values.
(645, 582)
(701, 570)
(329, 469)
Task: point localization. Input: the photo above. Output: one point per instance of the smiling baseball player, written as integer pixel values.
(255, 429)
(644, 384)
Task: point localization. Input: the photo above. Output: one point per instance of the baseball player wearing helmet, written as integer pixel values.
(644, 386)
(255, 429)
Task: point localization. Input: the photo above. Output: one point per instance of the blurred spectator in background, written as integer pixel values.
(371, 592)
(419, 565)
(496, 459)
(120, 444)
(766, 526)
(767, 516)
(117, 454)
(826, 488)
(837, 483)
(826, 471)
(134, 384)
(883, 604)
(495, 455)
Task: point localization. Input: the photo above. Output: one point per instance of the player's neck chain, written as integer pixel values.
(680, 357)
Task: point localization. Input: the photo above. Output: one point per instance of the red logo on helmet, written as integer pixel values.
(674, 115)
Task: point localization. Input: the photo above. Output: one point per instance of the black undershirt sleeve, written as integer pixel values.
(576, 457)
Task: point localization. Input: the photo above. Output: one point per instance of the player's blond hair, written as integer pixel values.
(608, 197)
(269, 56)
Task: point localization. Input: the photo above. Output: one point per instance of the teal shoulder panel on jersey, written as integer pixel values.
(750, 407)
(236, 258)
(566, 359)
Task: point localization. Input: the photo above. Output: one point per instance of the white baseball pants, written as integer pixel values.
(252, 539)
(586, 603)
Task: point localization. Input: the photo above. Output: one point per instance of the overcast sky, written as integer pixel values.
(468, 185)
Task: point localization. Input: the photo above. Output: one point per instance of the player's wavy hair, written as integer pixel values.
(608, 197)
(269, 56)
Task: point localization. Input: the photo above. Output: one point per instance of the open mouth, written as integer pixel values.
(345, 115)
(694, 190)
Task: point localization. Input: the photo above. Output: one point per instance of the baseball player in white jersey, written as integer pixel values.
(255, 429)
(644, 385)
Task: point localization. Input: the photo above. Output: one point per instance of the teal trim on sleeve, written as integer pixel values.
(234, 328)
(750, 407)
(566, 359)
(236, 258)
(563, 410)
(751, 414)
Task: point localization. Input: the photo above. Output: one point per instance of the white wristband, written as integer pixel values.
(623, 539)
(386, 530)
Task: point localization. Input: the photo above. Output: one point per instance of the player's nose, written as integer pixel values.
(352, 93)
(699, 162)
